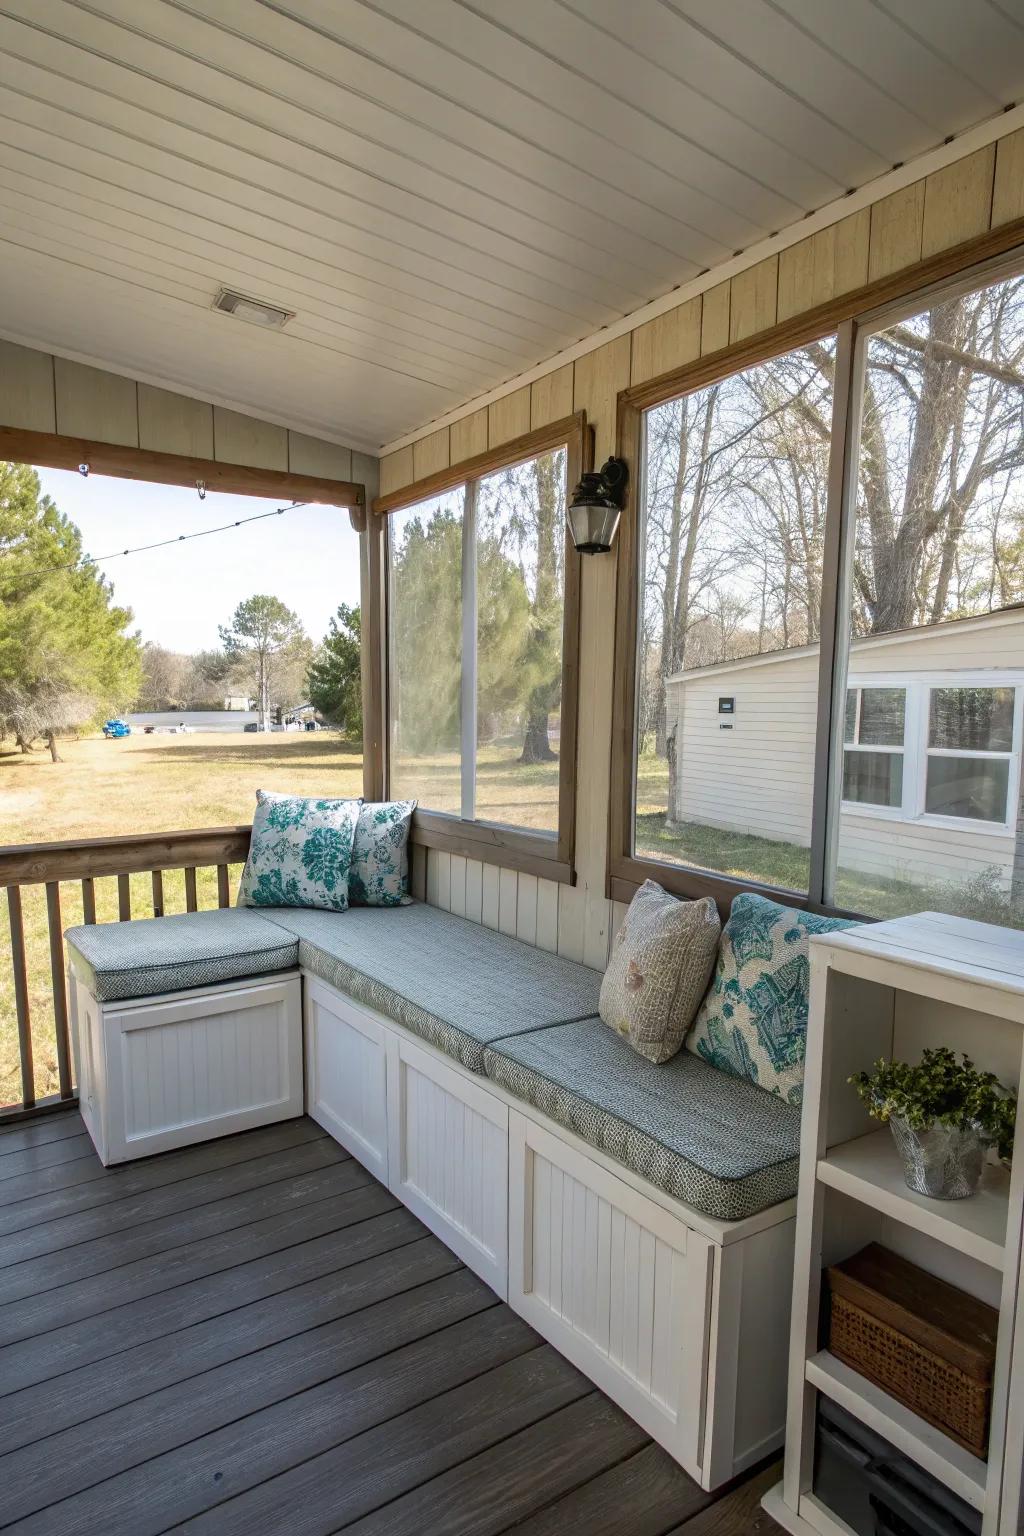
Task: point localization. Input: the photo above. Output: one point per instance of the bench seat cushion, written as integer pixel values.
(118, 961)
(452, 982)
(717, 1142)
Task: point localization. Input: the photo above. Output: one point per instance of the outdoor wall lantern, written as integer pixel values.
(596, 505)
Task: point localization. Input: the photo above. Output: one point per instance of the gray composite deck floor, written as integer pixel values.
(254, 1336)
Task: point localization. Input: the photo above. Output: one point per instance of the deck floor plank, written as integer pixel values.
(65, 1233)
(51, 1406)
(34, 1205)
(254, 1336)
(156, 1246)
(33, 1132)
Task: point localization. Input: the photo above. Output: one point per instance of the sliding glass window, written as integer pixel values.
(733, 519)
(477, 622)
(829, 618)
(933, 638)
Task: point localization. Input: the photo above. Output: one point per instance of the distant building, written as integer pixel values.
(237, 701)
(931, 747)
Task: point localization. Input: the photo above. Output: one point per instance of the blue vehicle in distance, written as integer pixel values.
(114, 729)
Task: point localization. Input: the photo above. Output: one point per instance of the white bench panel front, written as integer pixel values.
(346, 1074)
(448, 1157)
(183, 1069)
(614, 1282)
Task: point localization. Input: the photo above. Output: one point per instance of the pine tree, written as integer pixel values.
(334, 679)
(66, 658)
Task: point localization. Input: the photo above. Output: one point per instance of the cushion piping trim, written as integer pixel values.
(725, 1178)
(175, 965)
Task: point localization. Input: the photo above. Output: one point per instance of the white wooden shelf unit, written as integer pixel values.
(891, 990)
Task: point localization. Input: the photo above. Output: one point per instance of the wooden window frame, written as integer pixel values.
(548, 855)
(851, 318)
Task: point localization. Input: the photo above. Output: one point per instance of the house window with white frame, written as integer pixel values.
(936, 751)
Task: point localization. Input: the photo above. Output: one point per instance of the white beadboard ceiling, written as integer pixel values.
(446, 192)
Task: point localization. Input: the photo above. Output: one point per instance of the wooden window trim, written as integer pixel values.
(550, 856)
(625, 872)
(55, 451)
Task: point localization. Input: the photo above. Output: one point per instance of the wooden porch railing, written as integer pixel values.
(34, 872)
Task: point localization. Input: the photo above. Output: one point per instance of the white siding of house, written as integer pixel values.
(757, 777)
(919, 851)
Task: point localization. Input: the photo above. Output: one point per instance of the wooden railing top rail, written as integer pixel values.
(91, 857)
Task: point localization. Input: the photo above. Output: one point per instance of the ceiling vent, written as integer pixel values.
(252, 311)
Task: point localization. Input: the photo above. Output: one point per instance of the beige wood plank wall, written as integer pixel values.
(41, 393)
(976, 193)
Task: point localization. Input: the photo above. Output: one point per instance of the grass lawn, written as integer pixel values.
(161, 783)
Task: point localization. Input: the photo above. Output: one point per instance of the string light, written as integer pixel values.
(141, 549)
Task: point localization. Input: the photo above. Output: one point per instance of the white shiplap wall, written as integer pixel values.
(521, 905)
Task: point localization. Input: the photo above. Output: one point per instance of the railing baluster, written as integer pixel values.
(48, 866)
(60, 988)
(28, 1076)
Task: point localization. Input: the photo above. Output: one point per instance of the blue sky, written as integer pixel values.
(309, 558)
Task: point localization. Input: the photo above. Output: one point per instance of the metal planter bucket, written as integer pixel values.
(942, 1161)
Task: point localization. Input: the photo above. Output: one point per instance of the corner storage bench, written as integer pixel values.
(184, 1028)
(640, 1217)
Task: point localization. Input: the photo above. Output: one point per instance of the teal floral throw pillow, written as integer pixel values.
(300, 854)
(379, 876)
(753, 1021)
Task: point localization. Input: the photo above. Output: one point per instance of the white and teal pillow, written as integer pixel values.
(300, 854)
(753, 1021)
(379, 876)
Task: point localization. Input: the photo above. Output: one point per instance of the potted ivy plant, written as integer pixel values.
(944, 1115)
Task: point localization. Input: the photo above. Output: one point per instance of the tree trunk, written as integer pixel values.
(673, 777)
(546, 644)
(536, 747)
(51, 742)
(26, 746)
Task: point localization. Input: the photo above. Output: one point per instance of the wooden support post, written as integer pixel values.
(158, 893)
(124, 898)
(191, 899)
(223, 886)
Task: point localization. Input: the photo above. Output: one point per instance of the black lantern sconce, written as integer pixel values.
(596, 505)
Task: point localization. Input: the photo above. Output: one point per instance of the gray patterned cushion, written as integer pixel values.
(117, 961)
(714, 1141)
(452, 982)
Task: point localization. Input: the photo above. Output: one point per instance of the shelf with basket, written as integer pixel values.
(897, 990)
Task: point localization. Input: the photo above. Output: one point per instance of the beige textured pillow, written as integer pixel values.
(660, 970)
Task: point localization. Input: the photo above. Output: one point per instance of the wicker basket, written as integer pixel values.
(927, 1344)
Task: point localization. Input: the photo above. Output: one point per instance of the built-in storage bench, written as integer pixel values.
(665, 1308)
(668, 1309)
(637, 1216)
(160, 1068)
